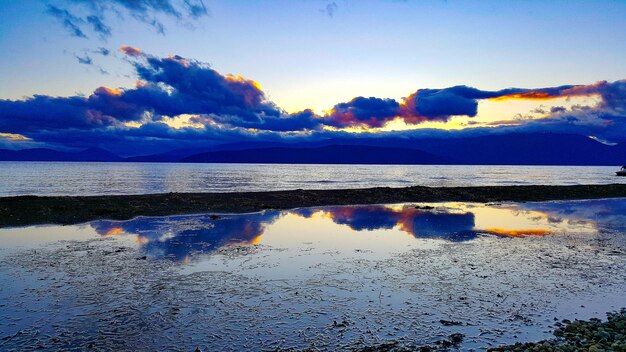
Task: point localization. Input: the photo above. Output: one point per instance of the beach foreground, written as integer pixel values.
(32, 210)
(395, 277)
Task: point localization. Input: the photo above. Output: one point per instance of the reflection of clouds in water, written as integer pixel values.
(419, 223)
(360, 218)
(178, 237)
(515, 220)
(601, 212)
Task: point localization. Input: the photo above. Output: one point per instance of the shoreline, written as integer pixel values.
(66, 210)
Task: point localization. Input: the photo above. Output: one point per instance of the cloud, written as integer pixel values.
(98, 26)
(69, 21)
(85, 60)
(174, 85)
(330, 9)
(300, 121)
(80, 17)
(196, 9)
(14, 137)
(42, 112)
(130, 51)
(102, 51)
(440, 104)
(361, 111)
(613, 95)
(225, 106)
(433, 105)
(179, 102)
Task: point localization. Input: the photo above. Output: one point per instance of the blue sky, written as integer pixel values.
(372, 48)
(305, 57)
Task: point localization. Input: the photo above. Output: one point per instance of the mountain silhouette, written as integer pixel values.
(505, 149)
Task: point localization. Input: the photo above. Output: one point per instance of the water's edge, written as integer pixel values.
(32, 210)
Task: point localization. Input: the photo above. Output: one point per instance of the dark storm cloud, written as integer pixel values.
(80, 16)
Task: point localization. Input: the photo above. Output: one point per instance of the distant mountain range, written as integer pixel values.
(42, 154)
(512, 149)
(332, 154)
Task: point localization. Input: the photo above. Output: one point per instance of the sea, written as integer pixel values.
(96, 178)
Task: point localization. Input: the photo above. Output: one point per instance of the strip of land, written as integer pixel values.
(32, 210)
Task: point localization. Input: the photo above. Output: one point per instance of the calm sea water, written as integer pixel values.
(61, 178)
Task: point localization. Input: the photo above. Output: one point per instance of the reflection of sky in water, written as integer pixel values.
(391, 271)
(179, 237)
(606, 213)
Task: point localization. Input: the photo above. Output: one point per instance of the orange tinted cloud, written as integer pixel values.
(109, 91)
(130, 50)
(528, 96)
(553, 93)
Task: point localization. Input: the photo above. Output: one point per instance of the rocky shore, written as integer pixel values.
(570, 336)
(32, 210)
(579, 335)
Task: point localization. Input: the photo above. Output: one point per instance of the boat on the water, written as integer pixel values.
(621, 172)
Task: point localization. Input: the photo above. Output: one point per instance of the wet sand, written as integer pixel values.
(32, 210)
(398, 277)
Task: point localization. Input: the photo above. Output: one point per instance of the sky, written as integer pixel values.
(206, 72)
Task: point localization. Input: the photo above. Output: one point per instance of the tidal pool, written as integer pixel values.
(328, 278)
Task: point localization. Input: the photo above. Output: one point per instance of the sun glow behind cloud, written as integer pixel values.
(491, 113)
(178, 100)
